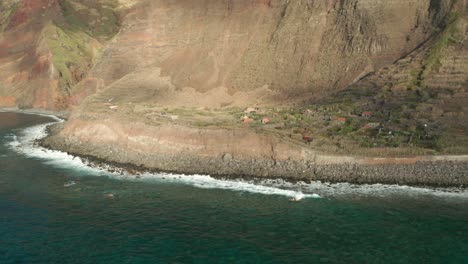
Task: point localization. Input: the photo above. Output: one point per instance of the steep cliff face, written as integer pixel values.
(160, 83)
(202, 52)
(217, 53)
(426, 91)
(47, 47)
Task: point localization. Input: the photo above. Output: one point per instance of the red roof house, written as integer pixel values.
(265, 120)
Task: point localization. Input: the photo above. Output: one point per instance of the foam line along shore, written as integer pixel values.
(25, 142)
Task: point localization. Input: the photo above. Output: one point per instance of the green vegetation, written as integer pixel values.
(442, 42)
(7, 9)
(98, 19)
(397, 124)
(432, 62)
(72, 41)
(72, 53)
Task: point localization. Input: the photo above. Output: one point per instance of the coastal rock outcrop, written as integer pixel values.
(240, 153)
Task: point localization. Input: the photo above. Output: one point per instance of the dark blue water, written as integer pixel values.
(102, 219)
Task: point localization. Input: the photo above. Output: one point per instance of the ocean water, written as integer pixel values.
(55, 209)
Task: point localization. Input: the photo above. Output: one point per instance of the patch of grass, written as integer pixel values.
(432, 62)
(351, 125)
(416, 79)
(71, 50)
(7, 9)
(99, 19)
(442, 42)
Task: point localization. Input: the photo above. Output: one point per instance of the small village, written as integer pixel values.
(330, 125)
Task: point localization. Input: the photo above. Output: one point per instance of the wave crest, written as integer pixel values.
(24, 142)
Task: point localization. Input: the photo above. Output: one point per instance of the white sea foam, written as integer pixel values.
(207, 182)
(24, 143)
(70, 183)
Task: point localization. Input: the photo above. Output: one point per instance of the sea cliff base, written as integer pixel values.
(203, 154)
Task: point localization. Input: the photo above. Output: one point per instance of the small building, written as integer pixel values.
(250, 110)
(265, 120)
(367, 114)
(247, 120)
(307, 138)
(341, 120)
(372, 125)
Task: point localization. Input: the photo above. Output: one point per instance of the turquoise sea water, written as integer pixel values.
(53, 209)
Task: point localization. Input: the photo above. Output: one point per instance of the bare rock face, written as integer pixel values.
(237, 52)
(24, 73)
(47, 47)
(125, 63)
(202, 52)
(434, 78)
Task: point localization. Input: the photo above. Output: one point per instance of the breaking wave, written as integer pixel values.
(24, 142)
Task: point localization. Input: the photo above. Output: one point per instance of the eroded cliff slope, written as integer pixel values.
(202, 52)
(48, 46)
(382, 79)
(219, 53)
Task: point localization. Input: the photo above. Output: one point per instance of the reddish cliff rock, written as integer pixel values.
(40, 53)
(216, 53)
(236, 52)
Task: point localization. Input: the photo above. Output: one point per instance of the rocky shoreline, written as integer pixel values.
(414, 171)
